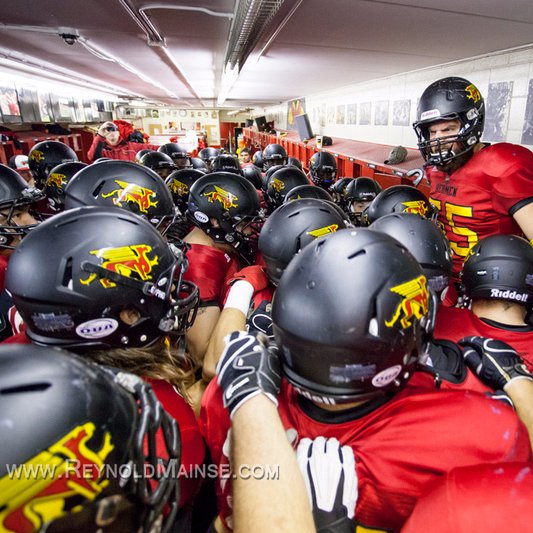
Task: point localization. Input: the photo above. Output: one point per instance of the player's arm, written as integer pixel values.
(524, 218)
(199, 333)
(276, 500)
(499, 366)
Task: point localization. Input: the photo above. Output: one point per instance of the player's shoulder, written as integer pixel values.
(511, 152)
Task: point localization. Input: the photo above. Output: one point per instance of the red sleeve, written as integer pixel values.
(95, 151)
(3, 267)
(209, 268)
(512, 165)
(192, 443)
(19, 338)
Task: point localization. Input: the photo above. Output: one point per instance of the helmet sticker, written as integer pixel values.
(320, 232)
(201, 217)
(37, 156)
(125, 261)
(131, 192)
(351, 372)
(67, 469)
(52, 321)
(59, 180)
(98, 328)
(179, 188)
(227, 199)
(432, 113)
(414, 303)
(472, 92)
(277, 184)
(418, 207)
(383, 378)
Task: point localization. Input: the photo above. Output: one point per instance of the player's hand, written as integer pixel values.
(248, 367)
(329, 475)
(103, 129)
(493, 361)
(255, 275)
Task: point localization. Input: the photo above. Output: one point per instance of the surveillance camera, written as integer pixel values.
(69, 38)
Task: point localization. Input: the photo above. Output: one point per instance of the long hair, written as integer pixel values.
(159, 361)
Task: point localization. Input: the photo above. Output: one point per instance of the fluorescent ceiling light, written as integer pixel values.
(229, 77)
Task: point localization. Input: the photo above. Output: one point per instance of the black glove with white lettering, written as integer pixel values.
(248, 367)
(493, 361)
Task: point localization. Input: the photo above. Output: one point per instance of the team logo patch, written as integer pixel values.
(37, 156)
(59, 180)
(179, 188)
(472, 93)
(431, 113)
(414, 303)
(132, 193)
(416, 206)
(383, 378)
(50, 485)
(226, 198)
(320, 232)
(126, 260)
(277, 184)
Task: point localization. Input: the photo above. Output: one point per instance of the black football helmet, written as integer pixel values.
(180, 183)
(227, 208)
(199, 164)
(423, 238)
(123, 184)
(399, 199)
(293, 226)
(308, 191)
(323, 169)
(281, 182)
(257, 160)
(267, 175)
(352, 315)
(46, 155)
(499, 267)
(226, 163)
(448, 99)
(357, 191)
(99, 445)
(253, 175)
(274, 154)
(140, 153)
(161, 163)
(207, 155)
(14, 194)
(99, 261)
(57, 180)
(293, 161)
(177, 153)
(337, 191)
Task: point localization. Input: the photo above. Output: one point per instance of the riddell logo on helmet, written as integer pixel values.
(125, 261)
(415, 302)
(131, 192)
(416, 206)
(54, 478)
(326, 230)
(508, 295)
(227, 199)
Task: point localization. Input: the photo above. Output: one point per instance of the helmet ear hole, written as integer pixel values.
(67, 274)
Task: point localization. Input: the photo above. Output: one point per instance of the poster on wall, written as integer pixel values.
(498, 104)
(401, 109)
(351, 114)
(294, 108)
(323, 115)
(527, 130)
(9, 104)
(381, 117)
(45, 108)
(340, 116)
(65, 109)
(331, 115)
(28, 104)
(365, 111)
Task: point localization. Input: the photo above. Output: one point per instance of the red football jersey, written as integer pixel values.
(454, 324)
(474, 201)
(399, 447)
(488, 498)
